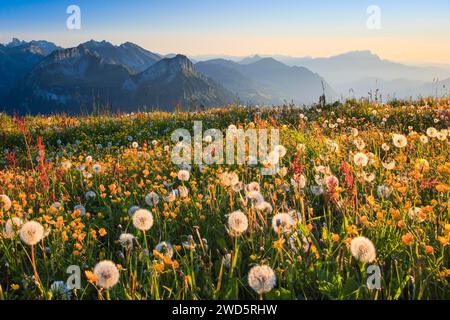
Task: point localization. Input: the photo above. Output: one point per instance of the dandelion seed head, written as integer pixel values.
(255, 196)
(389, 165)
(5, 202)
(441, 135)
(11, 227)
(299, 181)
(384, 191)
(262, 279)
(317, 190)
(107, 274)
(126, 240)
(183, 175)
(96, 168)
(273, 157)
(416, 213)
(331, 182)
(142, 219)
(399, 140)
(152, 199)
(238, 187)
(165, 248)
(361, 159)
(31, 232)
(423, 139)
(282, 223)
(263, 206)
(237, 223)
(363, 249)
(229, 179)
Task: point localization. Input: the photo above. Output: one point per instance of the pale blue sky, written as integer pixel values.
(414, 30)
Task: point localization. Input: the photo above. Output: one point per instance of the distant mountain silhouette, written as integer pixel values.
(40, 77)
(228, 74)
(361, 70)
(17, 59)
(130, 55)
(267, 81)
(174, 81)
(96, 75)
(251, 59)
(40, 47)
(69, 80)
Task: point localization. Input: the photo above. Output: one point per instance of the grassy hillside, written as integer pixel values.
(351, 170)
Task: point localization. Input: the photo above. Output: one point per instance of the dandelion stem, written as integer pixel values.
(36, 276)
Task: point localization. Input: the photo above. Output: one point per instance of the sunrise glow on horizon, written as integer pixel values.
(411, 31)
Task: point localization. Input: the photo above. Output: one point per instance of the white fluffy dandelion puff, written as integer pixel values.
(282, 222)
(363, 249)
(229, 179)
(299, 181)
(399, 140)
(255, 196)
(31, 233)
(183, 175)
(126, 240)
(5, 202)
(165, 249)
(263, 206)
(361, 159)
(262, 279)
(142, 219)
(152, 199)
(96, 168)
(11, 227)
(107, 274)
(252, 186)
(237, 223)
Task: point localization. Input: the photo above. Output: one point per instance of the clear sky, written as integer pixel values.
(411, 30)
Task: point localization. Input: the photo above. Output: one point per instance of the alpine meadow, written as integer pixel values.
(212, 158)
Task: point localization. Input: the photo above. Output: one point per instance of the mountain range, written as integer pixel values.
(99, 74)
(357, 73)
(267, 81)
(17, 58)
(41, 77)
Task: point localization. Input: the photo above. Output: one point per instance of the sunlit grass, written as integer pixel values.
(343, 176)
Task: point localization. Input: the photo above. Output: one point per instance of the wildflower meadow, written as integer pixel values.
(93, 207)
